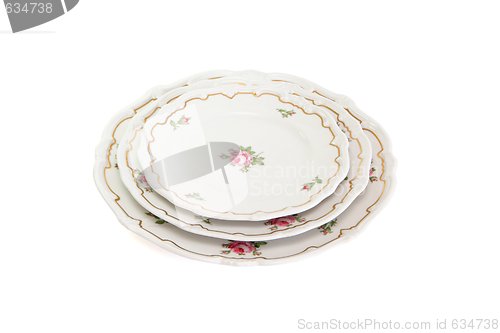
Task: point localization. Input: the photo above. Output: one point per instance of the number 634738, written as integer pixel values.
(28, 8)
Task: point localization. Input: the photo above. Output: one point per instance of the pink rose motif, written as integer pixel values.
(181, 122)
(242, 158)
(184, 120)
(284, 221)
(141, 179)
(241, 247)
(308, 186)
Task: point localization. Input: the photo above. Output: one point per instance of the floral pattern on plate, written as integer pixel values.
(327, 228)
(244, 158)
(242, 248)
(284, 222)
(142, 181)
(286, 113)
(158, 220)
(373, 177)
(310, 185)
(172, 238)
(183, 121)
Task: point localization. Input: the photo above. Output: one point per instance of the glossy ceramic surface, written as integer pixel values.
(238, 152)
(136, 218)
(327, 210)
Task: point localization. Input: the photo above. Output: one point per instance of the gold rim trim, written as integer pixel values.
(143, 193)
(368, 210)
(311, 197)
(108, 158)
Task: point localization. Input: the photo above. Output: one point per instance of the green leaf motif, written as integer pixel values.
(182, 121)
(158, 220)
(259, 244)
(310, 185)
(286, 113)
(327, 227)
(373, 178)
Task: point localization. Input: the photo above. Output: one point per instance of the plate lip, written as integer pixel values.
(205, 229)
(338, 141)
(133, 224)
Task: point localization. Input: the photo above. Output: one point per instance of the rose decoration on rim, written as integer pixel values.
(241, 248)
(284, 221)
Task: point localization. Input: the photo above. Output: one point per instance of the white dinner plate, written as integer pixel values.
(238, 152)
(285, 226)
(137, 219)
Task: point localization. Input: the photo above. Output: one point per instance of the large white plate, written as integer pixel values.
(238, 152)
(137, 219)
(327, 210)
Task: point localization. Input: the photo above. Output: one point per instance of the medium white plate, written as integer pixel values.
(327, 210)
(138, 220)
(238, 152)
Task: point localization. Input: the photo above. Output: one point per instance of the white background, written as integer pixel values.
(428, 71)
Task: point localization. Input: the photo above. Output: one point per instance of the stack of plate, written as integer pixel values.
(243, 167)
